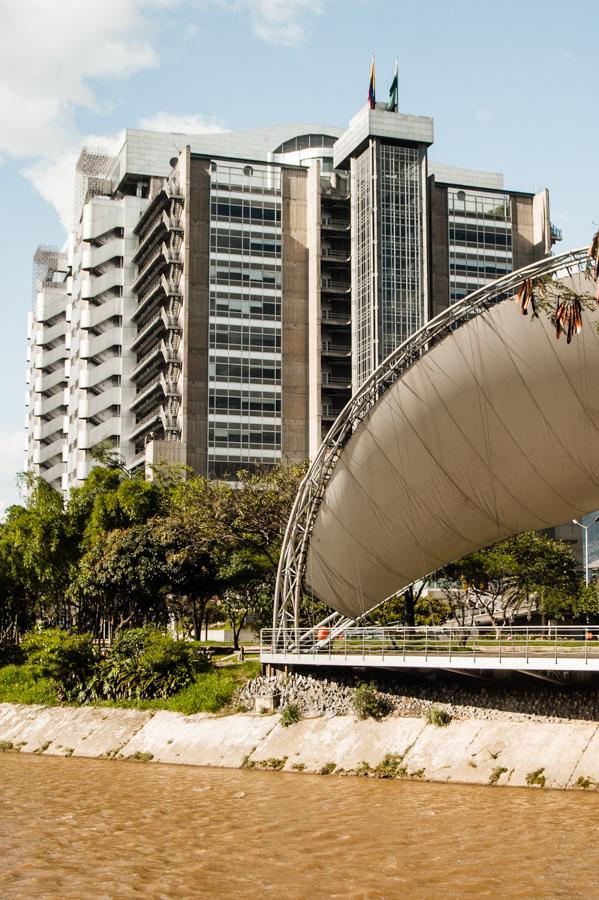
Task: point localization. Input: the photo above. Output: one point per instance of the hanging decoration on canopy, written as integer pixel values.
(563, 305)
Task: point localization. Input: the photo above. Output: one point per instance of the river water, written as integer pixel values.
(76, 828)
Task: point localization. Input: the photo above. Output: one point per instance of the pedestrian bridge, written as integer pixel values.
(523, 649)
(480, 426)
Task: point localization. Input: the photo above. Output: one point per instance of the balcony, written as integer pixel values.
(146, 360)
(145, 424)
(333, 349)
(328, 223)
(153, 327)
(335, 318)
(336, 382)
(342, 256)
(148, 390)
(332, 286)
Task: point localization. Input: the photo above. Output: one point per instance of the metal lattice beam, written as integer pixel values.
(296, 543)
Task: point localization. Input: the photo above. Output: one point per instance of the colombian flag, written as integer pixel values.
(371, 94)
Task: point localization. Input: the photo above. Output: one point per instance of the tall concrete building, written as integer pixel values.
(221, 295)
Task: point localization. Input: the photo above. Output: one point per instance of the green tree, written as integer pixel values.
(122, 579)
(512, 575)
(38, 555)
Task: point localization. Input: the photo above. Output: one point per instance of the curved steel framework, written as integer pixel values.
(292, 564)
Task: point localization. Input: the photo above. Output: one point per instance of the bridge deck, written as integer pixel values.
(566, 648)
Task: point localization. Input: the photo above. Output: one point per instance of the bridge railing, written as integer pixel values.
(446, 643)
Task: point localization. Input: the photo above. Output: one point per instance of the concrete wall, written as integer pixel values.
(438, 248)
(523, 246)
(196, 179)
(295, 317)
(314, 310)
(565, 755)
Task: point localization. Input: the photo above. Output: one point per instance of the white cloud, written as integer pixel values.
(283, 22)
(55, 54)
(51, 52)
(12, 461)
(182, 124)
(53, 176)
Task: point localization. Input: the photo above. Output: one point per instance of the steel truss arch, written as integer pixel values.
(296, 543)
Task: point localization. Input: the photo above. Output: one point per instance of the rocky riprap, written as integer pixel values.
(334, 697)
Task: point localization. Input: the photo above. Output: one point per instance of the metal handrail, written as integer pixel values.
(292, 561)
(341, 638)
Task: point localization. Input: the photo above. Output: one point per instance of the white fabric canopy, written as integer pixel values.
(493, 432)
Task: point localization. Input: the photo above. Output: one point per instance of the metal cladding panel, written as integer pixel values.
(495, 431)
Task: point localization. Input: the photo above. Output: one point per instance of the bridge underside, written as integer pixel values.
(492, 432)
(480, 664)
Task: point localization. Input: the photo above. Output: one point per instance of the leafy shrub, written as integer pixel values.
(496, 774)
(290, 715)
(436, 716)
(66, 659)
(369, 704)
(536, 777)
(145, 663)
(391, 766)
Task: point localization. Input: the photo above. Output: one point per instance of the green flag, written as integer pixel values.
(392, 104)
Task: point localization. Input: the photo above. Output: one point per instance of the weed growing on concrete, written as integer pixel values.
(328, 768)
(141, 757)
(391, 767)
(496, 774)
(42, 749)
(299, 767)
(290, 715)
(585, 782)
(437, 716)
(369, 704)
(272, 763)
(536, 777)
(8, 747)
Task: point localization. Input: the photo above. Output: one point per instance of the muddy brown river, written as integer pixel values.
(75, 828)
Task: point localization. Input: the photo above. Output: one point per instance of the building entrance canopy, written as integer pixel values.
(481, 426)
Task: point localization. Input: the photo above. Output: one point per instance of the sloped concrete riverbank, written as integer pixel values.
(542, 754)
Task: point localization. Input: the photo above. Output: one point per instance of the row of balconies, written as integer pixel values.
(92, 257)
(168, 221)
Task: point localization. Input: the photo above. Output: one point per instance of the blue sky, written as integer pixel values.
(511, 86)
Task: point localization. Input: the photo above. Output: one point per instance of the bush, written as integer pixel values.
(66, 659)
(143, 664)
(369, 704)
(290, 715)
(436, 716)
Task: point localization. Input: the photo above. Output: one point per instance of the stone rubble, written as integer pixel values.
(518, 702)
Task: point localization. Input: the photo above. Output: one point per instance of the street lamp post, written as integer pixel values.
(585, 529)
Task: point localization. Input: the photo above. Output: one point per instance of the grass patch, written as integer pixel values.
(368, 703)
(536, 777)
(436, 716)
(140, 756)
(496, 774)
(18, 685)
(210, 691)
(584, 782)
(271, 764)
(290, 715)
(391, 767)
(328, 768)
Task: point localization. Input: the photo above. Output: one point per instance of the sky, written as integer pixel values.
(511, 87)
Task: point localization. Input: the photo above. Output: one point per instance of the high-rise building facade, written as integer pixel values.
(221, 295)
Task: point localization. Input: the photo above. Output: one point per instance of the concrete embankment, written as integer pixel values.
(554, 755)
